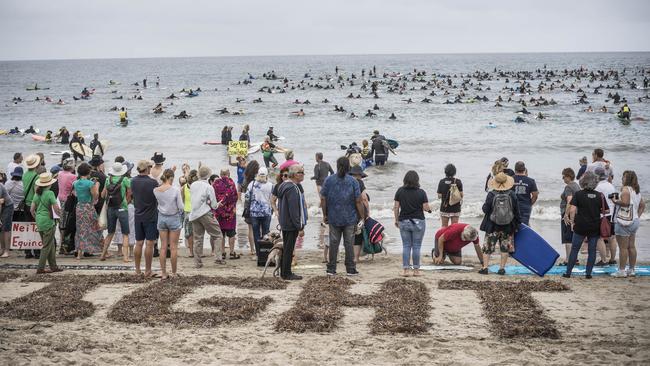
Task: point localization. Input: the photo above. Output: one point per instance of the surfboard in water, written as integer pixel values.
(81, 149)
(533, 252)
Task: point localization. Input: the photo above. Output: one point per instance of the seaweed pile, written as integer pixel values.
(402, 306)
(509, 307)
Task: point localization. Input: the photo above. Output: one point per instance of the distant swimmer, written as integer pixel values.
(426, 100)
(113, 109)
(258, 100)
(350, 96)
(408, 101)
(370, 113)
(352, 115)
(623, 113)
(223, 110)
(30, 130)
(325, 101)
(392, 116)
(540, 116)
(603, 109)
(14, 131)
(297, 102)
(299, 113)
(498, 105)
(239, 100)
(589, 109)
(172, 96)
(238, 113)
(182, 115)
(523, 111)
(48, 136)
(519, 120)
(60, 102)
(272, 135)
(123, 115)
(375, 107)
(306, 102)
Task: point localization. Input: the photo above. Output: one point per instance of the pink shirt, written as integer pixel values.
(288, 163)
(65, 180)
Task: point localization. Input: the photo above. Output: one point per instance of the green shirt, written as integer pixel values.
(126, 184)
(29, 181)
(82, 189)
(44, 203)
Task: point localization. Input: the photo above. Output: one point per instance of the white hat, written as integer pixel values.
(117, 170)
(263, 172)
(45, 179)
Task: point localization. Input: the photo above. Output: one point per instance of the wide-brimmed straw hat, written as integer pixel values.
(32, 161)
(117, 170)
(502, 182)
(45, 180)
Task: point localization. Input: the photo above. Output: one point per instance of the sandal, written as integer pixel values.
(234, 255)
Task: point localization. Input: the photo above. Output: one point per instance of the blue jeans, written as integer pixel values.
(412, 232)
(576, 243)
(261, 227)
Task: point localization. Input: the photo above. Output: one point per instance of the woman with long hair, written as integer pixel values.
(249, 176)
(631, 206)
(88, 239)
(170, 208)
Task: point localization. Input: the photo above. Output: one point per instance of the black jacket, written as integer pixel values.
(488, 226)
(291, 213)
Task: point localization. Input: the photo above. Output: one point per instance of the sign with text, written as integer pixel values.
(24, 235)
(238, 148)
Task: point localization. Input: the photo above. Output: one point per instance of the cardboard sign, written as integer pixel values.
(238, 148)
(24, 235)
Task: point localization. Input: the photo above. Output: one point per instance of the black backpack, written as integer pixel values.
(115, 193)
(502, 210)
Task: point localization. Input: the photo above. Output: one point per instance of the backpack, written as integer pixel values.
(375, 230)
(454, 194)
(502, 211)
(115, 193)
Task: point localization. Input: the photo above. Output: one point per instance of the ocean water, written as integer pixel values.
(430, 135)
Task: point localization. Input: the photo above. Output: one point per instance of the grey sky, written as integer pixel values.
(45, 29)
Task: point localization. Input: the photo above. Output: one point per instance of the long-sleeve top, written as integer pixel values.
(322, 170)
(169, 201)
(203, 199)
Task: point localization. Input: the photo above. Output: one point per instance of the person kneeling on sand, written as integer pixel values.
(450, 240)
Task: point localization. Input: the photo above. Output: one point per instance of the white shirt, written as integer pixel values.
(606, 166)
(606, 188)
(10, 168)
(203, 199)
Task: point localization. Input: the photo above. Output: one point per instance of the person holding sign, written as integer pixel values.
(43, 203)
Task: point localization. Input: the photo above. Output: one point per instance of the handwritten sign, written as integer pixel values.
(24, 235)
(238, 148)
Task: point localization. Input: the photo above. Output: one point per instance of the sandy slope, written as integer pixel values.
(602, 321)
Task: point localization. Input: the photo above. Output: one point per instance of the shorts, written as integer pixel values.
(146, 230)
(567, 233)
(6, 216)
(449, 214)
(629, 230)
(114, 214)
(380, 159)
(187, 225)
(358, 239)
(229, 233)
(169, 222)
(505, 240)
(435, 253)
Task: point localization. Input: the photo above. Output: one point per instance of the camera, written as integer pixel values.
(613, 195)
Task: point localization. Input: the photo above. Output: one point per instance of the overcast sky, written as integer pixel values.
(63, 29)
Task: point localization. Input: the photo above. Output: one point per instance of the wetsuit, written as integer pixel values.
(65, 137)
(75, 154)
(378, 150)
(94, 144)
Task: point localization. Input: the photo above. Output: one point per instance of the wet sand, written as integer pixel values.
(601, 321)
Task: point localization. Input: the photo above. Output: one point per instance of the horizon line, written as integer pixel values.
(331, 54)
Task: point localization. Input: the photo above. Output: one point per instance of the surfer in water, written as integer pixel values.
(123, 116)
(392, 116)
(299, 113)
(76, 146)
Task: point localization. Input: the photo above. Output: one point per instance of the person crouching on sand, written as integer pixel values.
(450, 240)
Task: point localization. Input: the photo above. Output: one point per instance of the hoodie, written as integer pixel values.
(291, 206)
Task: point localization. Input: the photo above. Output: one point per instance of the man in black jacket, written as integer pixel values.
(378, 148)
(292, 217)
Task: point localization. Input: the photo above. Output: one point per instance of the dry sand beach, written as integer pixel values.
(602, 321)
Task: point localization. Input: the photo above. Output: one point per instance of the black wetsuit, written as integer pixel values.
(378, 150)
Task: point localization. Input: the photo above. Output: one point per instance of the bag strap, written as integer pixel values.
(28, 188)
(602, 204)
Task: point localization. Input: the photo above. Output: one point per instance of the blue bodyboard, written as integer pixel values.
(533, 252)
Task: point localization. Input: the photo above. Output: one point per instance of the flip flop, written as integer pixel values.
(153, 275)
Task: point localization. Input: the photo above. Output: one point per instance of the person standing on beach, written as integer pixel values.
(526, 190)
(88, 239)
(570, 188)
(32, 162)
(607, 244)
(450, 189)
(410, 203)
(342, 210)
(627, 225)
(16, 162)
(292, 217)
(203, 202)
(598, 160)
(191, 176)
(583, 167)
(500, 221)
(117, 195)
(6, 216)
(584, 216)
(146, 216)
(226, 192)
(97, 175)
(259, 194)
(170, 208)
(322, 170)
(43, 204)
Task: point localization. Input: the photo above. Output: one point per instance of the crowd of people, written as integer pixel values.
(144, 211)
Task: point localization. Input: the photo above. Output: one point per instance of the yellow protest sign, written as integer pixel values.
(236, 148)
